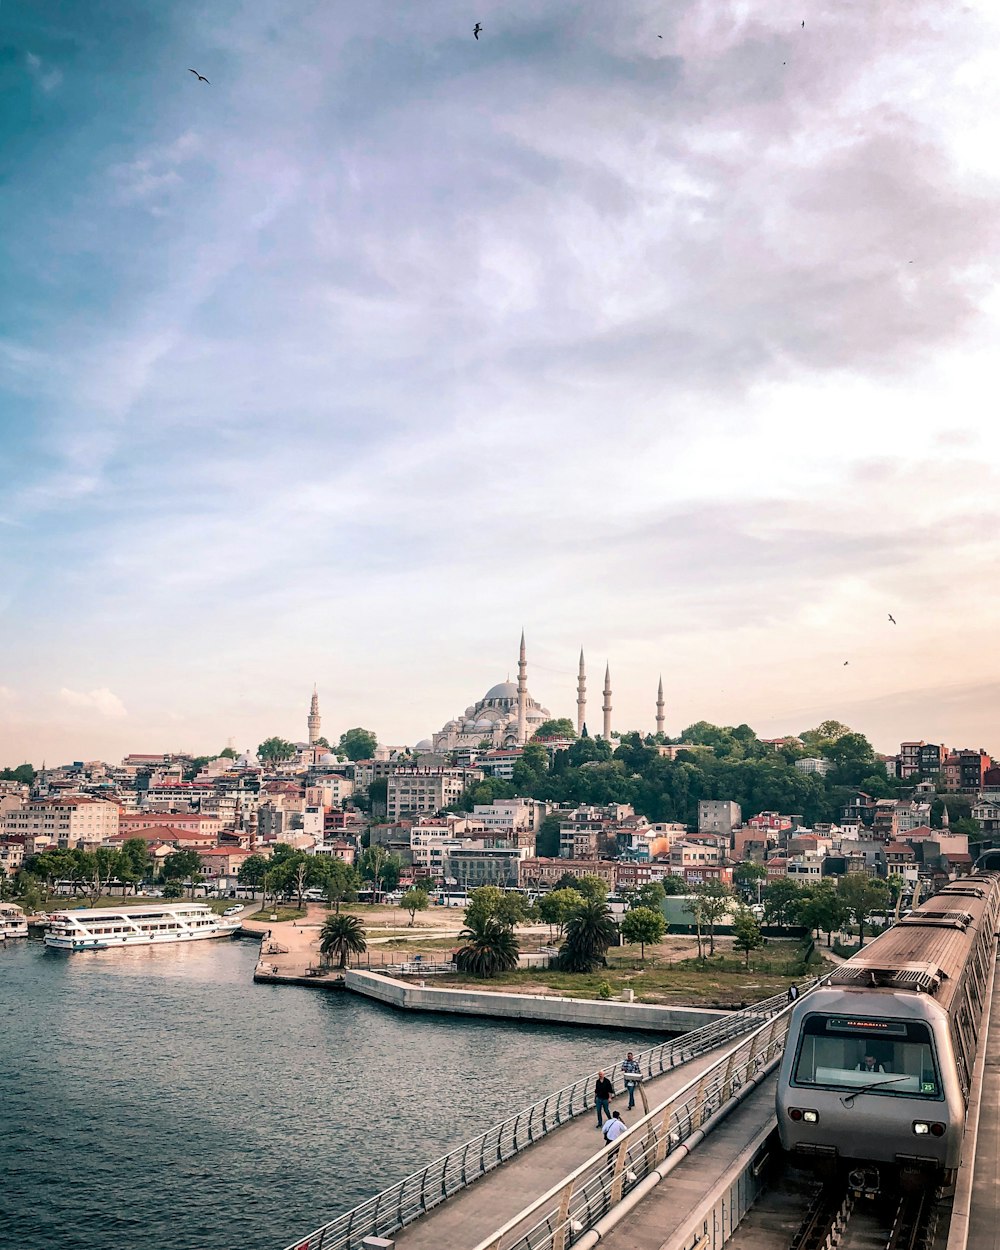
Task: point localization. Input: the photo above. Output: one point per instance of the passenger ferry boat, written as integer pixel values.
(12, 921)
(103, 928)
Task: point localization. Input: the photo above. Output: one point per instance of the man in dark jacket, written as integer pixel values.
(603, 1092)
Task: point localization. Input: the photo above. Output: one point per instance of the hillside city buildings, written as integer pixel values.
(227, 809)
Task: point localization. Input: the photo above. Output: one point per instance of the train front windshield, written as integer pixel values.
(891, 1057)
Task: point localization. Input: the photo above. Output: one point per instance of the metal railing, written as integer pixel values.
(567, 1212)
(409, 1199)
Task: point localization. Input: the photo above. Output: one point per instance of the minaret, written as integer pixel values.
(607, 704)
(314, 719)
(522, 695)
(581, 697)
(660, 719)
(945, 820)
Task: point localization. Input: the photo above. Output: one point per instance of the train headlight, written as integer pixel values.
(809, 1117)
(921, 1127)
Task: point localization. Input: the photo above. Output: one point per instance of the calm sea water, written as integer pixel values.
(159, 1098)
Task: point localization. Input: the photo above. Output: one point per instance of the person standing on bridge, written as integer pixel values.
(603, 1093)
(630, 1065)
(614, 1128)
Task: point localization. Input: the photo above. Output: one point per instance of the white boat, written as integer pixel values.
(12, 921)
(103, 928)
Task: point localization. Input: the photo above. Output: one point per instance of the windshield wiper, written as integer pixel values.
(874, 1085)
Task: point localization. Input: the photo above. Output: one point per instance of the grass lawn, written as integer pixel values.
(417, 943)
(722, 981)
(283, 913)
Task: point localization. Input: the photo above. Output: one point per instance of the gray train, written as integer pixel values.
(876, 1072)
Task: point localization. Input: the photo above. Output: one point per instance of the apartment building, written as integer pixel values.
(415, 791)
(68, 822)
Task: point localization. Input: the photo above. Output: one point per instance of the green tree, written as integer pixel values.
(746, 933)
(589, 932)
(695, 907)
(673, 885)
(380, 868)
(357, 744)
(746, 877)
(252, 871)
(488, 947)
(557, 727)
(275, 751)
(862, 896)
(183, 866)
(782, 900)
(529, 770)
(556, 907)
(592, 887)
(227, 753)
(23, 773)
(173, 889)
(547, 837)
(134, 864)
(823, 910)
(642, 925)
(716, 901)
(650, 895)
(194, 766)
(342, 935)
(414, 900)
(341, 884)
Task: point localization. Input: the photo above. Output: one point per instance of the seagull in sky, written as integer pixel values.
(477, 28)
(846, 662)
(200, 77)
(892, 618)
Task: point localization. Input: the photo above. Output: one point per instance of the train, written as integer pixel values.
(878, 1064)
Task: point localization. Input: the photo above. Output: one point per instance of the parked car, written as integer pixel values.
(234, 911)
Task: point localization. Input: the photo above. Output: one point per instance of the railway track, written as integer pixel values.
(837, 1217)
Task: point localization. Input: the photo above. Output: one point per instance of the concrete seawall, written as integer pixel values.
(544, 1008)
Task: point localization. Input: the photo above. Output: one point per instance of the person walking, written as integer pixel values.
(603, 1092)
(793, 993)
(614, 1128)
(630, 1065)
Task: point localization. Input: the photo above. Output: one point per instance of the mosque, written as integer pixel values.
(507, 716)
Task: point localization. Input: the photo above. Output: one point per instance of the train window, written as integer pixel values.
(848, 1052)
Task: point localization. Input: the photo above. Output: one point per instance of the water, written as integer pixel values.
(157, 1097)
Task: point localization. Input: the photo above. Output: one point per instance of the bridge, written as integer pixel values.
(697, 1170)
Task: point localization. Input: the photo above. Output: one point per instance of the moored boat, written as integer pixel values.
(12, 921)
(103, 928)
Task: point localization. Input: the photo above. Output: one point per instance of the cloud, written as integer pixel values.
(47, 78)
(102, 701)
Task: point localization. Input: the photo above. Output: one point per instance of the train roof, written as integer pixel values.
(927, 950)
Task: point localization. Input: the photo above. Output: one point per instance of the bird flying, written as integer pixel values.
(803, 25)
(200, 77)
(477, 28)
(892, 618)
(846, 662)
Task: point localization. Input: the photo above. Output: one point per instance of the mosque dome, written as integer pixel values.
(484, 722)
(328, 759)
(504, 690)
(423, 747)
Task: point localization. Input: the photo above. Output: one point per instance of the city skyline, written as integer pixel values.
(388, 342)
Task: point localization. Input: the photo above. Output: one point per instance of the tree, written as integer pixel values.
(861, 896)
(592, 887)
(642, 925)
(252, 871)
(357, 744)
(414, 900)
(227, 753)
(341, 884)
(173, 889)
(342, 935)
(695, 907)
(194, 766)
(716, 901)
(530, 769)
(556, 727)
(650, 895)
(746, 933)
(589, 933)
(380, 868)
(134, 863)
(782, 900)
(489, 947)
(23, 773)
(746, 877)
(823, 910)
(556, 907)
(547, 837)
(673, 885)
(275, 751)
(183, 866)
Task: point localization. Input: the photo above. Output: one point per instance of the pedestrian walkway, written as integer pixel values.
(472, 1214)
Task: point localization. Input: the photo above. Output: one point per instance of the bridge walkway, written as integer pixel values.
(471, 1215)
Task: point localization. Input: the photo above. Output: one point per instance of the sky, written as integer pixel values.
(665, 330)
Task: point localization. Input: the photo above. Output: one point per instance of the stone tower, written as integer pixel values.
(314, 719)
(606, 707)
(660, 719)
(522, 694)
(581, 697)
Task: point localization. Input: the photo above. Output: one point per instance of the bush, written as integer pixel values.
(604, 990)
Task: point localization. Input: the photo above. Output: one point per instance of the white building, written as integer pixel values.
(814, 764)
(718, 816)
(67, 823)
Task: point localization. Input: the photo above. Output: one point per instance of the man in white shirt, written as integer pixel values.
(613, 1128)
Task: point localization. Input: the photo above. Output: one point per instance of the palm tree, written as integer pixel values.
(589, 933)
(490, 947)
(342, 935)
